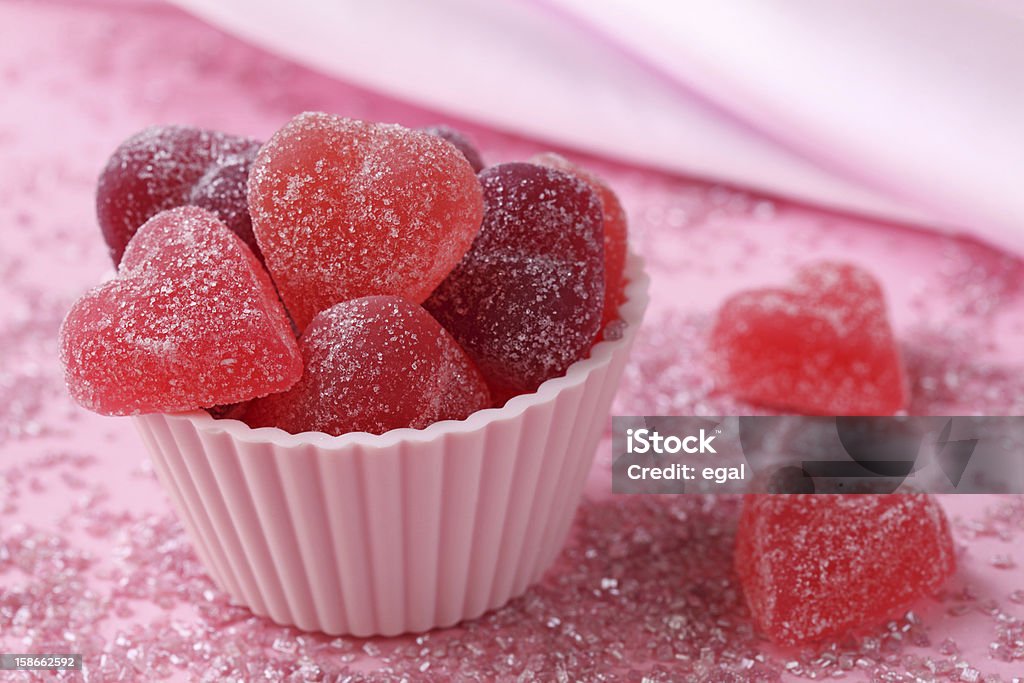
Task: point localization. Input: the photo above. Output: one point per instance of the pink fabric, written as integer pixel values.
(79, 77)
(910, 111)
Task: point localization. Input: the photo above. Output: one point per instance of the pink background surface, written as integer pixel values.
(79, 77)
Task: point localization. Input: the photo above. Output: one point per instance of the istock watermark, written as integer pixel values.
(646, 441)
(802, 454)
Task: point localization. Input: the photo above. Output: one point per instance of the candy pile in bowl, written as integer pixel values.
(345, 276)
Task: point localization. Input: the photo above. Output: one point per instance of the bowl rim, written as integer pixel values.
(631, 312)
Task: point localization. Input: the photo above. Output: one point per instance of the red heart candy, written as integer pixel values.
(823, 346)
(526, 301)
(819, 566)
(191, 321)
(344, 209)
(374, 364)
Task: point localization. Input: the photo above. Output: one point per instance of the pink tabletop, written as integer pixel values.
(93, 560)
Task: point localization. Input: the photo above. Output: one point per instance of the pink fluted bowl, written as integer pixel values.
(365, 534)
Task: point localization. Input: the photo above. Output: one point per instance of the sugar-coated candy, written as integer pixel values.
(191, 321)
(526, 301)
(615, 232)
(344, 209)
(371, 365)
(820, 566)
(163, 167)
(822, 346)
(461, 143)
(223, 190)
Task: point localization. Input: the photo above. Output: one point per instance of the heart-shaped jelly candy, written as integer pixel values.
(191, 321)
(344, 209)
(526, 301)
(374, 364)
(163, 167)
(819, 566)
(822, 346)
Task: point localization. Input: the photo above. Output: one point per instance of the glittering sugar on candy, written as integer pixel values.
(526, 300)
(615, 231)
(374, 364)
(192, 321)
(163, 167)
(820, 566)
(344, 209)
(461, 143)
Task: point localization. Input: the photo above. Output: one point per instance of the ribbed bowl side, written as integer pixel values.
(385, 536)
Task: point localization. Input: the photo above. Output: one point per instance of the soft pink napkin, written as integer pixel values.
(912, 110)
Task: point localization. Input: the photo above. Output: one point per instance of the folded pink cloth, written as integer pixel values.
(912, 110)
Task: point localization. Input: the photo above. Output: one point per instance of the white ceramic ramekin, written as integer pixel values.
(402, 532)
